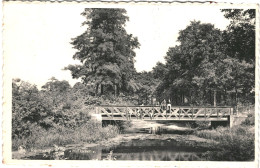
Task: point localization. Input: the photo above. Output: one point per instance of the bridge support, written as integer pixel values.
(97, 118)
(229, 123)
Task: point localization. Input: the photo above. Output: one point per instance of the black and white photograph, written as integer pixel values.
(144, 82)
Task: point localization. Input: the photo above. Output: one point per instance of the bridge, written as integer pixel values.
(157, 113)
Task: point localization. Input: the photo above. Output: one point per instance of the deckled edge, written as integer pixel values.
(257, 71)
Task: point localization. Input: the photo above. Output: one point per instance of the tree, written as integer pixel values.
(105, 50)
(27, 108)
(67, 104)
(210, 66)
(146, 86)
(240, 46)
(159, 70)
(193, 65)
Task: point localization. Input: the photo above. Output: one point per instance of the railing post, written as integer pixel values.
(205, 113)
(179, 113)
(192, 112)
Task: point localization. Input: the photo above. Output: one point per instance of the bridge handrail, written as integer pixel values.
(171, 106)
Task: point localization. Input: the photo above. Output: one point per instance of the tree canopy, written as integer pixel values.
(240, 46)
(202, 69)
(105, 49)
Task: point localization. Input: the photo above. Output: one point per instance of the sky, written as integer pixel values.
(36, 37)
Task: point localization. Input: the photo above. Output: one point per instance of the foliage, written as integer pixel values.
(239, 38)
(58, 114)
(250, 120)
(202, 69)
(145, 86)
(159, 71)
(66, 103)
(121, 125)
(193, 66)
(89, 133)
(105, 50)
(231, 144)
(202, 124)
(27, 108)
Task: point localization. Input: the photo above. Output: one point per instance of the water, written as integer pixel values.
(142, 150)
(135, 149)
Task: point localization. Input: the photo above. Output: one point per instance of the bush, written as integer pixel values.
(250, 120)
(198, 124)
(234, 144)
(89, 133)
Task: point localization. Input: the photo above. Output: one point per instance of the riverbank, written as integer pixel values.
(234, 144)
(222, 143)
(186, 140)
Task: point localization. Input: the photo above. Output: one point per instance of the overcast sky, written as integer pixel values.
(37, 37)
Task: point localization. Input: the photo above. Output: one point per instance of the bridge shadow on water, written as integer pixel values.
(153, 127)
(142, 150)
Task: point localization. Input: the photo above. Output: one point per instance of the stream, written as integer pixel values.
(142, 150)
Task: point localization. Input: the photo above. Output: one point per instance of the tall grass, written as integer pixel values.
(91, 132)
(234, 144)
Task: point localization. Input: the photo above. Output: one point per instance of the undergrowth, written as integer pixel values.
(231, 144)
(90, 132)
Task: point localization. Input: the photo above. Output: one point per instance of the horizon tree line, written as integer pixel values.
(208, 67)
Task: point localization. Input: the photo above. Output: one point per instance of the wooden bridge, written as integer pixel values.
(175, 113)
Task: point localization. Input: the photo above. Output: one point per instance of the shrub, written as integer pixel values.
(234, 144)
(88, 133)
(202, 124)
(250, 120)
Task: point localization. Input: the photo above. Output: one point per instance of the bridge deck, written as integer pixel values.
(157, 113)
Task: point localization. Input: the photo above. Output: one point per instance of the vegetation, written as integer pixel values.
(231, 144)
(208, 67)
(57, 114)
(105, 50)
(40, 138)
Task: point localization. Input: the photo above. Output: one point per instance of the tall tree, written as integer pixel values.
(210, 64)
(105, 50)
(193, 65)
(240, 46)
(240, 34)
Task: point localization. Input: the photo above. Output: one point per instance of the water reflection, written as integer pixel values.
(158, 156)
(147, 150)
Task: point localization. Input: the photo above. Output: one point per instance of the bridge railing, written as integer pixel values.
(158, 113)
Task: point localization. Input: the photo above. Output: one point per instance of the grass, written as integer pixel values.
(231, 144)
(91, 132)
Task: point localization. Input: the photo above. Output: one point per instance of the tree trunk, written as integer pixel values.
(215, 98)
(236, 97)
(182, 97)
(210, 97)
(225, 96)
(102, 89)
(190, 97)
(115, 90)
(96, 92)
